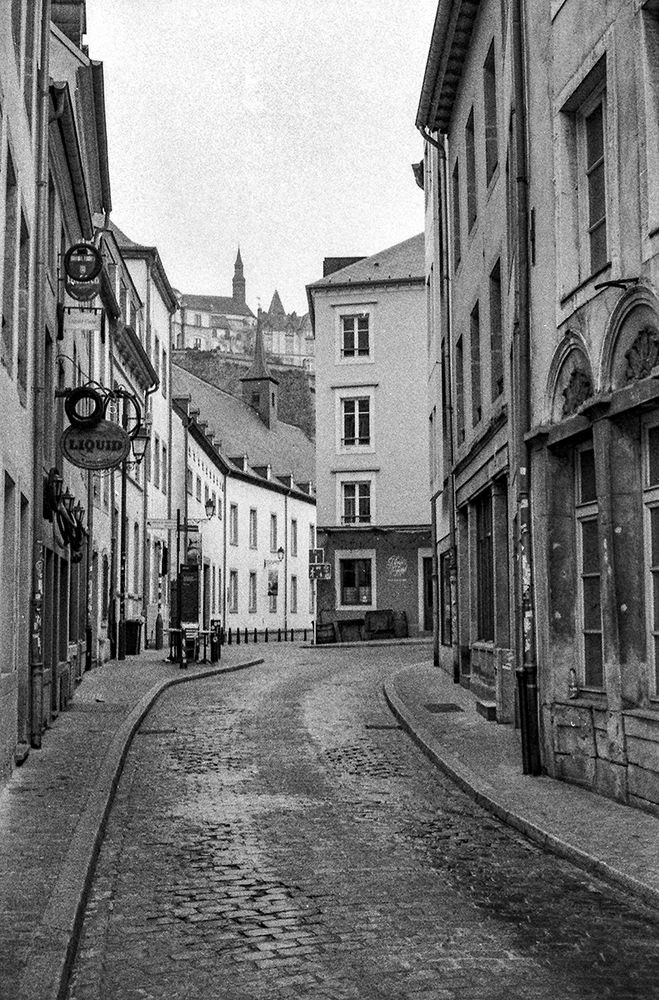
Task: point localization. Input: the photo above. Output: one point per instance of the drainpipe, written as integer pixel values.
(285, 562)
(527, 667)
(34, 697)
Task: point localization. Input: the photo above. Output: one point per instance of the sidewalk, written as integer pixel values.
(616, 842)
(53, 812)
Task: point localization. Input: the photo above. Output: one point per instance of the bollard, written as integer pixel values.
(285, 635)
(237, 637)
(305, 635)
(265, 637)
(292, 635)
(246, 637)
(223, 637)
(278, 635)
(256, 636)
(229, 637)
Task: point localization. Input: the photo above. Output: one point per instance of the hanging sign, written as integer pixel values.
(102, 446)
(78, 319)
(82, 290)
(83, 262)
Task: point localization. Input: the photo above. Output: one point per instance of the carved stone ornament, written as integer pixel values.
(643, 355)
(576, 392)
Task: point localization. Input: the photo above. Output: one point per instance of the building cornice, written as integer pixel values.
(449, 45)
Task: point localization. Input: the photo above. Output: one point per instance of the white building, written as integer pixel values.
(369, 321)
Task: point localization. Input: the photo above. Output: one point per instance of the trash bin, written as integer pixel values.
(133, 636)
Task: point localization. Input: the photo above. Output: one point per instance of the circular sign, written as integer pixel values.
(82, 290)
(83, 262)
(99, 447)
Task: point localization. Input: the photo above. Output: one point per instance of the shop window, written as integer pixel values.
(356, 586)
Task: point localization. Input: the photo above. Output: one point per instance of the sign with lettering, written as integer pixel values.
(320, 571)
(99, 447)
(83, 262)
(316, 555)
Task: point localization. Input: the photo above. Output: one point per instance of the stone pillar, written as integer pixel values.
(616, 749)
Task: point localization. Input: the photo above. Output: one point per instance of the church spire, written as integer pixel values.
(259, 387)
(238, 281)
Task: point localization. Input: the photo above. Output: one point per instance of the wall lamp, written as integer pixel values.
(210, 508)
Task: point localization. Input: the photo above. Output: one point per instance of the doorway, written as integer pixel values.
(427, 593)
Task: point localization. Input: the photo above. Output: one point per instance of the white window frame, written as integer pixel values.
(253, 528)
(340, 554)
(294, 595)
(353, 309)
(252, 593)
(354, 477)
(354, 393)
(232, 594)
(293, 545)
(233, 524)
(273, 531)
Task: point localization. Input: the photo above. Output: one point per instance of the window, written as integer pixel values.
(356, 503)
(592, 140)
(496, 336)
(163, 373)
(459, 389)
(23, 304)
(484, 568)
(11, 241)
(197, 343)
(312, 536)
(273, 532)
(456, 215)
(475, 338)
(136, 558)
(198, 489)
(156, 461)
(165, 469)
(470, 150)
(355, 582)
(252, 593)
(156, 357)
(233, 524)
(651, 502)
(356, 421)
(355, 336)
(197, 319)
(293, 595)
(312, 598)
(589, 609)
(490, 108)
(253, 539)
(188, 481)
(232, 596)
(293, 537)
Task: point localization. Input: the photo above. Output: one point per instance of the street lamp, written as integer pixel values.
(210, 508)
(280, 553)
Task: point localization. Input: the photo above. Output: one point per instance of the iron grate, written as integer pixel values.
(444, 706)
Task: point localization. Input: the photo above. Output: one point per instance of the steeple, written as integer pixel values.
(276, 307)
(260, 389)
(238, 280)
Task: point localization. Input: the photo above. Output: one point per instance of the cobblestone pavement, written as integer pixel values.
(275, 835)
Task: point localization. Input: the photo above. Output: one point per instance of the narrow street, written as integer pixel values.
(275, 834)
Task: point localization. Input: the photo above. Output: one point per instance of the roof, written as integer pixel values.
(446, 59)
(403, 262)
(276, 306)
(129, 248)
(239, 429)
(215, 304)
(258, 368)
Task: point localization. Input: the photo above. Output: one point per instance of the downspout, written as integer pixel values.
(527, 667)
(286, 495)
(32, 708)
(145, 498)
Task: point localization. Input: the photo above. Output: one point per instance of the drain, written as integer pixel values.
(444, 706)
(377, 725)
(155, 732)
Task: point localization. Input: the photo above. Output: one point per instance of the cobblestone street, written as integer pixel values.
(276, 835)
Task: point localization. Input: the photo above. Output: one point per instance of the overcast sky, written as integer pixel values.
(285, 126)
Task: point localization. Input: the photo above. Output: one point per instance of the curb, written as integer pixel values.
(468, 782)
(55, 940)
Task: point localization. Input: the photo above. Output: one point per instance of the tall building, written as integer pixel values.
(216, 322)
(540, 179)
(369, 321)
(288, 338)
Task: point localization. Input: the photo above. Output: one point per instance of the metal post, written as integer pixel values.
(121, 638)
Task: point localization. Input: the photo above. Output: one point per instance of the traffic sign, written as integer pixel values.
(169, 524)
(320, 571)
(316, 555)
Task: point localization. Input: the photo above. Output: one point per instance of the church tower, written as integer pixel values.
(238, 281)
(260, 389)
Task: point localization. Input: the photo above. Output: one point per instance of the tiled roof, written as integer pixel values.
(215, 304)
(398, 263)
(239, 429)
